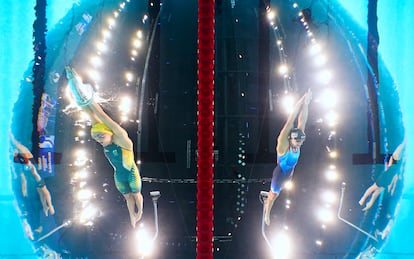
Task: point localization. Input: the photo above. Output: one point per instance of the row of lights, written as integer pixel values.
(85, 209)
(327, 98)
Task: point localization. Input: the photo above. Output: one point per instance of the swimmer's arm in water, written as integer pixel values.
(20, 147)
(397, 152)
(34, 172)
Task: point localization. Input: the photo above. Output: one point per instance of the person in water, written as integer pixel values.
(288, 146)
(22, 155)
(117, 146)
(386, 179)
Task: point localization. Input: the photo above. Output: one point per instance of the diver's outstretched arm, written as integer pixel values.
(85, 100)
(300, 112)
(367, 193)
(303, 115)
(399, 149)
(20, 147)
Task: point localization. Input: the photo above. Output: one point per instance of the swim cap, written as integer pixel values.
(101, 127)
(297, 134)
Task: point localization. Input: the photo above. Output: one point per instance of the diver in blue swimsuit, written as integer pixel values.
(118, 147)
(22, 155)
(289, 141)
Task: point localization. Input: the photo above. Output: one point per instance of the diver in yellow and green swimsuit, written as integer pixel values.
(117, 145)
(126, 176)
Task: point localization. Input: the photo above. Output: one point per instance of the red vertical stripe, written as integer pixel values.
(205, 129)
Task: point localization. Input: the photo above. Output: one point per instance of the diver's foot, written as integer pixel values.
(138, 216)
(266, 213)
(133, 220)
(52, 210)
(267, 220)
(39, 230)
(361, 202)
(368, 205)
(45, 210)
(28, 230)
(268, 203)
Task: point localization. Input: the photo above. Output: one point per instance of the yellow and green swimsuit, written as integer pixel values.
(127, 178)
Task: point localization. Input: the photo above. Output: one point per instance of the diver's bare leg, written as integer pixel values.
(139, 203)
(373, 198)
(268, 205)
(367, 193)
(130, 200)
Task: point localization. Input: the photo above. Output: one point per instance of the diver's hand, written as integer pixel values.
(308, 96)
(82, 93)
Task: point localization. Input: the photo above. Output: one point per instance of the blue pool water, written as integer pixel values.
(16, 51)
(396, 50)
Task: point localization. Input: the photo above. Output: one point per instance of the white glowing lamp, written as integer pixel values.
(329, 197)
(331, 175)
(325, 76)
(140, 35)
(137, 44)
(82, 174)
(333, 154)
(331, 118)
(289, 185)
(283, 69)
(96, 61)
(111, 22)
(84, 195)
(125, 104)
(325, 215)
(288, 103)
(84, 116)
(320, 60)
(88, 214)
(329, 98)
(271, 15)
(145, 243)
(101, 46)
(106, 34)
(282, 245)
(94, 75)
(81, 133)
(129, 76)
